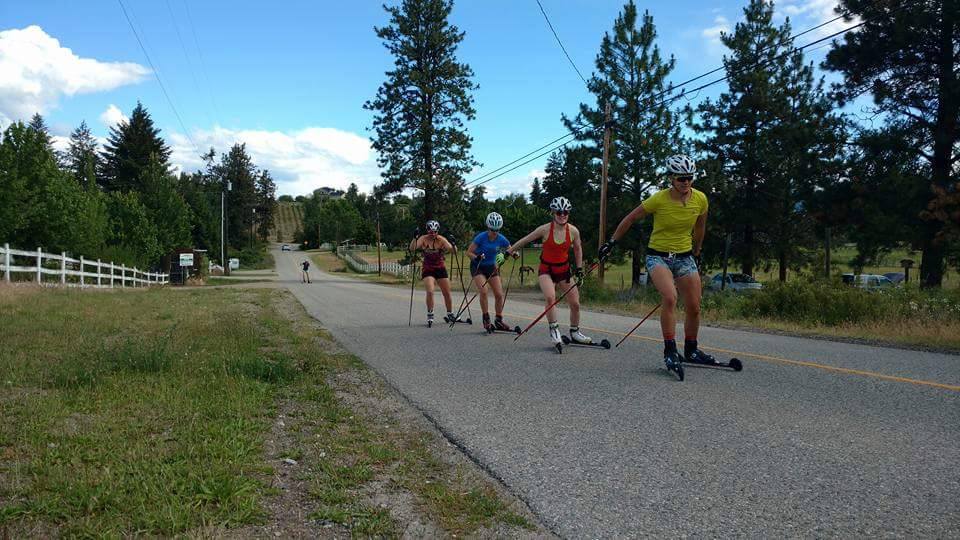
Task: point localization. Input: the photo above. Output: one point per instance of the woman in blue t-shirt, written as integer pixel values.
(486, 256)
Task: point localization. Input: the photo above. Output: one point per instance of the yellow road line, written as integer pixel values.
(765, 358)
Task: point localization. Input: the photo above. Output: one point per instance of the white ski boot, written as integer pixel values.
(429, 319)
(578, 337)
(555, 336)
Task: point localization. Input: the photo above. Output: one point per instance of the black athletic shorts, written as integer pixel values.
(436, 273)
(486, 270)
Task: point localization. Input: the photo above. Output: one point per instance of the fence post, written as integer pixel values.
(82, 264)
(39, 264)
(98, 273)
(6, 262)
(63, 267)
(123, 276)
(113, 270)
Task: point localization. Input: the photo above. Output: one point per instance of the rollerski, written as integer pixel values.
(486, 323)
(429, 320)
(673, 362)
(701, 358)
(556, 338)
(577, 338)
(499, 326)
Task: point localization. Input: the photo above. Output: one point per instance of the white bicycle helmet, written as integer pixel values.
(494, 221)
(560, 204)
(433, 226)
(681, 165)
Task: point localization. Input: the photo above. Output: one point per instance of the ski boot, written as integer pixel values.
(674, 363)
(430, 319)
(701, 358)
(500, 326)
(555, 337)
(486, 323)
(578, 338)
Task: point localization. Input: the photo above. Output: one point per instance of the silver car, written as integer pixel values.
(735, 282)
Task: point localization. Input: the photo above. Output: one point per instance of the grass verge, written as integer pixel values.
(146, 412)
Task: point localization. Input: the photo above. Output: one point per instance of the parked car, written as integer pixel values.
(735, 282)
(870, 282)
(895, 277)
(285, 247)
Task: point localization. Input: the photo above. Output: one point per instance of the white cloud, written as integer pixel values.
(514, 184)
(809, 13)
(715, 47)
(300, 161)
(112, 116)
(38, 71)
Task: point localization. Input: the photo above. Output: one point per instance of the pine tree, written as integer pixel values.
(631, 77)
(82, 159)
(128, 152)
(237, 169)
(421, 108)
(905, 56)
(266, 203)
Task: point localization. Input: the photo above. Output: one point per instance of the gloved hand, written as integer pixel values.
(500, 258)
(480, 257)
(514, 254)
(579, 274)
(606, 249)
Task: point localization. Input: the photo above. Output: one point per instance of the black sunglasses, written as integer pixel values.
(562, 212)
(683, 178)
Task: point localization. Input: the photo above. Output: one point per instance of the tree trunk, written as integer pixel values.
(782, 256)
(637, 264)
(747, 266)
(944, 138)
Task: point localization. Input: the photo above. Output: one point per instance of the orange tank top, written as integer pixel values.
(554, 253)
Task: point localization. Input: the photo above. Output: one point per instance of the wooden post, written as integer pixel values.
(123, 276)
(82, 264)
(603, 183)
(98, 273)
(826, 237)
(113, 270)
(39, 264)
(379, 262)
(726, 257)
(63, 267)
(6, 262)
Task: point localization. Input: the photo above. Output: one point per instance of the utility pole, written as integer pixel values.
(826, 237)
(726, 257)
(223, 218)
(603, 183)
(379, 263)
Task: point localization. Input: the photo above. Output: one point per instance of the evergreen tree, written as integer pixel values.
(237, 169)
(128, 152)
(17, 200)
(905, 56)
(132, 234)
(771, 142)
(631, 77)
(421, 108)
(39, 125)
(266, 203)
(82, 159)
(167, 209)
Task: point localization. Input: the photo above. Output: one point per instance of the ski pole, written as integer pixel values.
(413, 283)
(462, 286)
(557, 301)
(638, 324)
(513, 266)
(479, 290)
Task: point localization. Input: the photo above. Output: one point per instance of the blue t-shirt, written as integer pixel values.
(489, 248)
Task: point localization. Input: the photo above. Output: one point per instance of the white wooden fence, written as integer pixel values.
(72, 272)
(358, 264)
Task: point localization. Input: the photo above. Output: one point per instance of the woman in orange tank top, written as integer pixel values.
(558, 237)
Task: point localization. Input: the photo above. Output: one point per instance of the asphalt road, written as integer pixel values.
(812, 439)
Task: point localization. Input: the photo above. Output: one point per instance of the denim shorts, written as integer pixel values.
(678, 266)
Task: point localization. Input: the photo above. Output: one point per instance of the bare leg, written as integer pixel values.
(573, 301)
(445, 290)
(663, 280)
(690, 291)
(478, 281)
(498, 296)
(548, 289)
(429, 284)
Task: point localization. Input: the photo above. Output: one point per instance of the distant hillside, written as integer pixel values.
(287, 220)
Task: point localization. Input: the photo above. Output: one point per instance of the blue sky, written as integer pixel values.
(290, 78)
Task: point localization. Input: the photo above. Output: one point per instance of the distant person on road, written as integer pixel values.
(434, 247)
(558, 238)
(486, 255)
(305, 274)
(679, 224)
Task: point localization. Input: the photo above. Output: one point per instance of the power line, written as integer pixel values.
(203, 65)
(157, 75)
(683, 92)
(183, 47)
(562, 48)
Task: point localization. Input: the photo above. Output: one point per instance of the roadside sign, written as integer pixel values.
(186, 259)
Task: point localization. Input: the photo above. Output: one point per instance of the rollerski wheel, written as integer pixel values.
(706, 360)
(602, 344)
(674, 364)
(559, 347)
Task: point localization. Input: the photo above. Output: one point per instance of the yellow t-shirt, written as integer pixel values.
(673, 221)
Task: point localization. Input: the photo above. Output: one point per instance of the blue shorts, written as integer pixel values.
(678, 266)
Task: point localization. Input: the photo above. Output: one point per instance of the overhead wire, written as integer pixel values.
(562, 48)
(490, 176)
(156, 74)
(183, 47)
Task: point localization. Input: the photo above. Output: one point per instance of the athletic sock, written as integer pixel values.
(689, 347)
(669, 346)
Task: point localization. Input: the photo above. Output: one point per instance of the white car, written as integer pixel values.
(285, 247)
